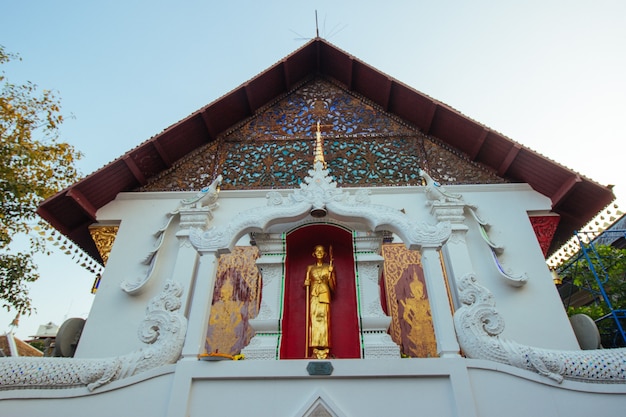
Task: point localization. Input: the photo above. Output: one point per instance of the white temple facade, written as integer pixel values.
(444, 304)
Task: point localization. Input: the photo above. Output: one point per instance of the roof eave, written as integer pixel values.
(574, 197)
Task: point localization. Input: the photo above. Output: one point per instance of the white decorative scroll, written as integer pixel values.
(516, 280)
(135, 287)
(213, 239)
(193, 212)
(162, 330)
(450, 206)
(484, 227)
(478, 326)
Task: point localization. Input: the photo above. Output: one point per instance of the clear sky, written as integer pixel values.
(549, 74)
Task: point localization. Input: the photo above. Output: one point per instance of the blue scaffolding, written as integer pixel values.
(597, 266)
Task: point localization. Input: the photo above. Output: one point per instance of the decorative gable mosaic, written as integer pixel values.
(363, 144)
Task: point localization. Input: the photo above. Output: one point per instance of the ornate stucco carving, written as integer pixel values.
(135, 287)
(223, 237)
(319, 193)
(206, 197)
(370, 270)
(479, 325)
(162, 330)
(261, 348)
(344, 206)
(193, 212)
(373, 309)
(269, 274)
(379, 345)
(451, 207)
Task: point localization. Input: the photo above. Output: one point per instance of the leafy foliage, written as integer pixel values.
(610, 266)
(33, 166)
(38, 344)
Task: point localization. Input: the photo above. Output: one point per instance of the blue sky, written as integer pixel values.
(547, 74)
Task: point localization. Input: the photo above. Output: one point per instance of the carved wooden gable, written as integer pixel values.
(364, 146)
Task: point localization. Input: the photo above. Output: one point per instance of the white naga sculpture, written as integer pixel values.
(162, 330)
(478, 326)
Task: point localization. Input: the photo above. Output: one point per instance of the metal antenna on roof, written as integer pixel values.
(327, 35)
(317, 30)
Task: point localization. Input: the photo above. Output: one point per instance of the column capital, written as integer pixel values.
(194, 218)
(449, 211)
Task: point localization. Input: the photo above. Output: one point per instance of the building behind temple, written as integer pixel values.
(439, 229)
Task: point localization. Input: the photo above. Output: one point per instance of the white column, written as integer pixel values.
(196, 271)
(443, 293)
(265, 343)
(447, 345)
(373, 321)
(199, 301)
(459, 262)
(185, 269)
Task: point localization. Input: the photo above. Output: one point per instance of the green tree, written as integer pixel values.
(34, 165)
(609, 263)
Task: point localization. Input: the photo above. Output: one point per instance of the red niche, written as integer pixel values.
(344, 327)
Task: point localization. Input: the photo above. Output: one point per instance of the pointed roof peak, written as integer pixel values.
(576, 198)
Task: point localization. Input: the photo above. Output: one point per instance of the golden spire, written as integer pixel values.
(318, 153)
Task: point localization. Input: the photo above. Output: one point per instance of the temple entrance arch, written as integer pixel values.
(320, 200)
(344, 326)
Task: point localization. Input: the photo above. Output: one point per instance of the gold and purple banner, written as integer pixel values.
(407, 302)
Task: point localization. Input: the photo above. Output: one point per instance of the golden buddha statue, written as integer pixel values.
(319, 282)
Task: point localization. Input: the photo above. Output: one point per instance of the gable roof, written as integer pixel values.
(575, 198)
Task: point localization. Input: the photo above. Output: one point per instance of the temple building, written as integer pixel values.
(324, 240)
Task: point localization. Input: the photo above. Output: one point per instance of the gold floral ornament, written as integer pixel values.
(103, 237)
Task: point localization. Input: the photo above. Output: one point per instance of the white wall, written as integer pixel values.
(411, 387)
(533, 313)
(364, 387)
